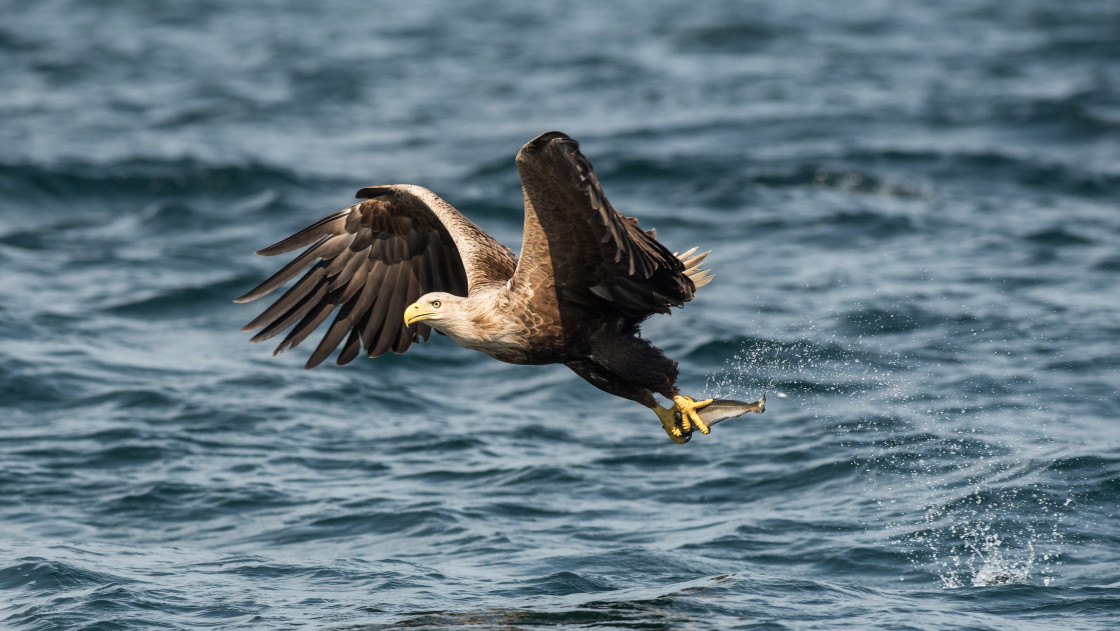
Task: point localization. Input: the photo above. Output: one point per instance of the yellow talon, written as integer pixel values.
(687, 407)
(679, 427)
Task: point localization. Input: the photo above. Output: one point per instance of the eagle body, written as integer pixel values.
(403, 262)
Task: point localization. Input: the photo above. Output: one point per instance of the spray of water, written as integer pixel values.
(967, 499)
(985, 521)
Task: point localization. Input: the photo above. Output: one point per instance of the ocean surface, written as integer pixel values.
(914, 216)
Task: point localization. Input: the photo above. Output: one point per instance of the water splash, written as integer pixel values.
(988, 562)
(992, 536)
(802, 369)
(955, 490)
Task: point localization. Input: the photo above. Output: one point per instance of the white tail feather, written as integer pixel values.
(699, 277)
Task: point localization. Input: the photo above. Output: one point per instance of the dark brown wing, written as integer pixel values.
(372, 260)
(596, 256)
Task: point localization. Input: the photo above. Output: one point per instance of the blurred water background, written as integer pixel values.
(913, 212)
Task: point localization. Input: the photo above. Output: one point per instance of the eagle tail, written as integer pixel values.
(699, 277)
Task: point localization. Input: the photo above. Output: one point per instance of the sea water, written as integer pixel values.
(913, 216)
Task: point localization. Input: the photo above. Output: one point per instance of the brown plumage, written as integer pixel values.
(586, 279)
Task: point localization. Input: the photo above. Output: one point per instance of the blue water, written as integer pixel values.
(914, 212)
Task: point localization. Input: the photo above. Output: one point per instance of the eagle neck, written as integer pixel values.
(483, 325)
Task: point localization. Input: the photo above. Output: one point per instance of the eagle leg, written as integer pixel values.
(669, 422)
(687, 406)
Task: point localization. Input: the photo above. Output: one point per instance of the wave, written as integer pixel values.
(81, 183)
(184, 302)
(53, 576)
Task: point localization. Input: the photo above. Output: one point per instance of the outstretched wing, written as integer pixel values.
(372, 260)
(596, 256)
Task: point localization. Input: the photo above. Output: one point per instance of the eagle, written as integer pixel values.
(404, 262)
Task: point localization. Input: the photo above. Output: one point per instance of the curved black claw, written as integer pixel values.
(687, 436)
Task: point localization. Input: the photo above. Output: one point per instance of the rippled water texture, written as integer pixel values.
(913, 212)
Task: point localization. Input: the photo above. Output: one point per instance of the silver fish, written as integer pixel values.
(722, 409)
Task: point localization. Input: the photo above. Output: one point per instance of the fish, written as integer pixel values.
(720, 410)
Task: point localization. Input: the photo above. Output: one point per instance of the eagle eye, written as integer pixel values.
(435, 304)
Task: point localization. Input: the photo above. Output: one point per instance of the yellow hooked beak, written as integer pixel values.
(415, 313)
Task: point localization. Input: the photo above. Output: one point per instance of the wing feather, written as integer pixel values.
(274, 326)
(308, 235)
(369, 261)
(410, 287)
(382, 336)
(351, 348)
(338, 329)
(285, 274)
(293, 296)
(315, 316)
(602, 262)
(291, 316)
